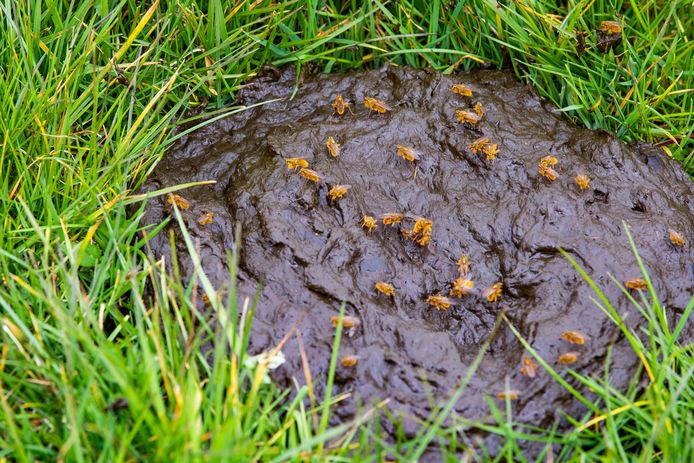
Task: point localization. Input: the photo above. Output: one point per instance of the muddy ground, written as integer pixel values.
(311, 253)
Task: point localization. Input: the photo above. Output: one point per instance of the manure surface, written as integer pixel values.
(311, 253)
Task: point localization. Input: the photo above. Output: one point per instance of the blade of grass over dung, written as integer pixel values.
(325, 412)
(437, 422)
(547, 367)
(642, 422)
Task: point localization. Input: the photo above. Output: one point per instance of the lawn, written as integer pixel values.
(94, 368)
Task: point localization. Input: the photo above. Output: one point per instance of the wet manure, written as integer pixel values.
(429, 204)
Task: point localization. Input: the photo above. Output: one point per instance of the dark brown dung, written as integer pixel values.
(310, 254)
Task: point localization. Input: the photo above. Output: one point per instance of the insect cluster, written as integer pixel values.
(471, 117)
(180, 202)
(412, 228)
(547, 170)
(419, 230)
(529, 368)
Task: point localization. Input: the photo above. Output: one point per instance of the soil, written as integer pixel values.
(309, 254)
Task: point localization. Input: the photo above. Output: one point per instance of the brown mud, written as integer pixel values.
(310, 253)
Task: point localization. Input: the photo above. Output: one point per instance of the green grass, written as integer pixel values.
(89, 93)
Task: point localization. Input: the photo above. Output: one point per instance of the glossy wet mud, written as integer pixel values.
(311, 253)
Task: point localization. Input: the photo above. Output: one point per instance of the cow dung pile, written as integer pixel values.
(430, 206)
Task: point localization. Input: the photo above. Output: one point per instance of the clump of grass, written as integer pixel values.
(641, 89)
(80, 384)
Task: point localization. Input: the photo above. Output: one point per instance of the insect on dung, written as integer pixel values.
(582, 181)
(369, 223)
(296, 163)
(493, 292)
(463, 265)
(461, 89)
(422, 226)
(391, 218)
(462, 287)
(338, 191)
(490, 150)
(333, 147)
(548, 161)
(310, 175)
(376, 105)
(549, 173)
(546, 168)
(424, 239)
(420, 232)
(385, 288)
(510, 394)
(486, 146)
(636, 283)
(439, 302)
(676, 238)
(206, 218)
(568, 358)
(528, 367)
(178, 200)
(477, 145)
(340, 104)
(409, 154)
(348, 323)
(467, 117)
(574, 337)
